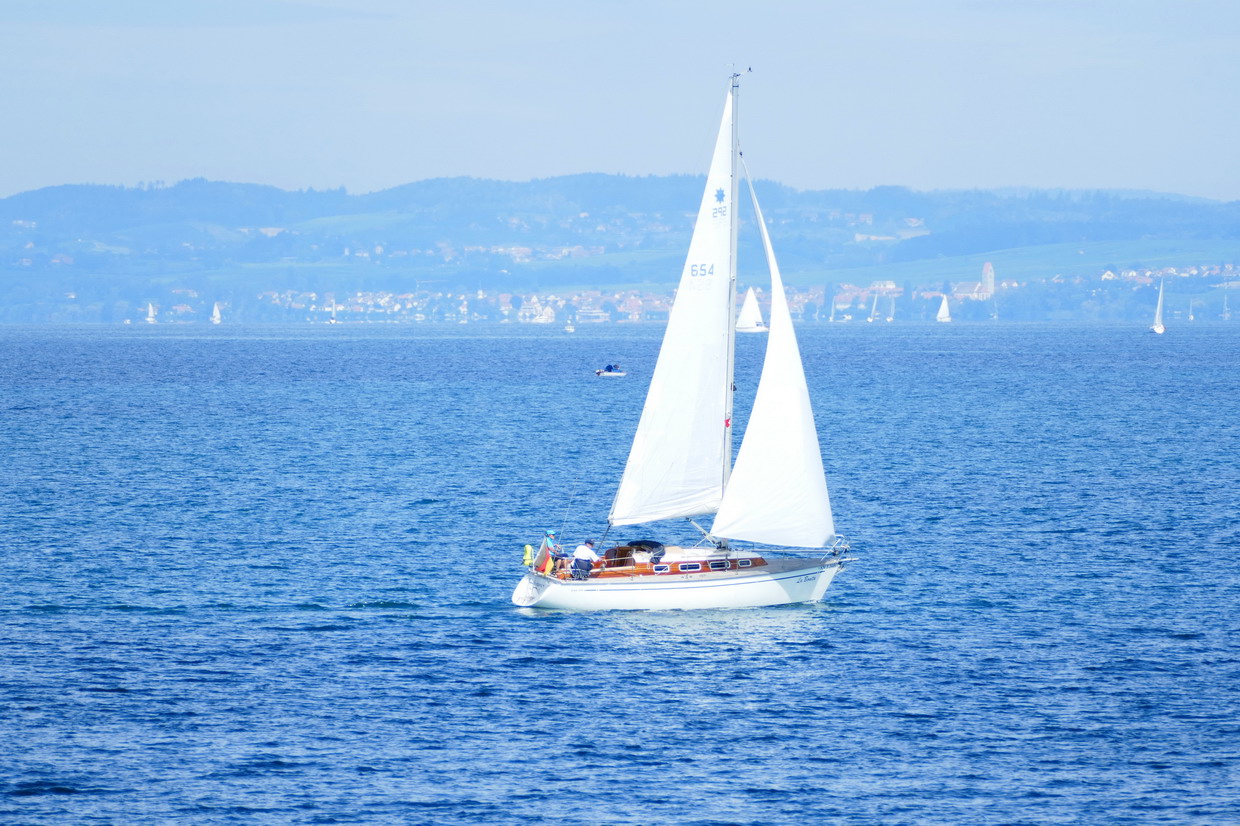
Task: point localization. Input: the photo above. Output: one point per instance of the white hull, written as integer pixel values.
(606, 373)
(1158, 328)
(807, 581)
(758, 329)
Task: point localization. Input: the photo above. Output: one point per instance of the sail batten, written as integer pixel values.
(777, 492)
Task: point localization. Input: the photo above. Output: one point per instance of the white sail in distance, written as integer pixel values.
(750, 318)
(1157, 326)
(777, 492)
(945, 313)
(679, 460)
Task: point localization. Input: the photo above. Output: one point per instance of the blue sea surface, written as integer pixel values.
(262, 575)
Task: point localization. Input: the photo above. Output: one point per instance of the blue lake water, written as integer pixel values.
(262, 575)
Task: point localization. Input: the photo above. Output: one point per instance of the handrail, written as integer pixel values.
(838, 548)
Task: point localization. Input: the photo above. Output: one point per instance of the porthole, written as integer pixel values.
(718, 564)
(662, 569)
(686, 567)
(744, 563)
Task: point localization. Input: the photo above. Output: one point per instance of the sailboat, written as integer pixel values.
(945, 313)
(216, 318)
(150, 313)
(750, 319)
(680, 463)
(891, 311)
(873, 309)
(1157, 326)
(1226, 309)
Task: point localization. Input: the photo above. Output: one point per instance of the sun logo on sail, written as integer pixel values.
(719, 196)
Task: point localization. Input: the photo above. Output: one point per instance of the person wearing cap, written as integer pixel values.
(556, 559)
(583, 559)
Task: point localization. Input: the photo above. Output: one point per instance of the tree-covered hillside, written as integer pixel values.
(573, 231)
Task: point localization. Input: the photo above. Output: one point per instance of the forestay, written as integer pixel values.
(678, 463)
(777, 493)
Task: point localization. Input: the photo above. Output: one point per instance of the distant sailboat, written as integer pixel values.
(945, 313)
(1157, 326)
(150, 313)
(216, 318)
(750, 319)
(891, 310)
(873, 309)
(333, 320)
(1226, 309)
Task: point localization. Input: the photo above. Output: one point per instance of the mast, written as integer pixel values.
(733, 229)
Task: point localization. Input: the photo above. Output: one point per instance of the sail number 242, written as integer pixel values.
(701, 269)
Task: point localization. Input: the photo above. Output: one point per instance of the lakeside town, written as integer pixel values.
(594, 249)
(1203, 292)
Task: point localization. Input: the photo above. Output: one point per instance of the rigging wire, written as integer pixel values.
(568, 508)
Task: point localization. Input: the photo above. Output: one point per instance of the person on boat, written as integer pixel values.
(583, 559)
(557, 560)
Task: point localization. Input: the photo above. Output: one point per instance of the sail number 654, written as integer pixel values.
(701, 269)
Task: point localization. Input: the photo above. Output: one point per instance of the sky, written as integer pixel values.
(370, 94)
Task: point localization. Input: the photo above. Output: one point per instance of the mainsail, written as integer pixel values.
(679, 460)
(777, 492)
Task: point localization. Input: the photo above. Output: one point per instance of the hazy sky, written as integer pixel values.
(368, 94)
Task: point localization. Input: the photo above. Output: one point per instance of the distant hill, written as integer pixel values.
(578, 230)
